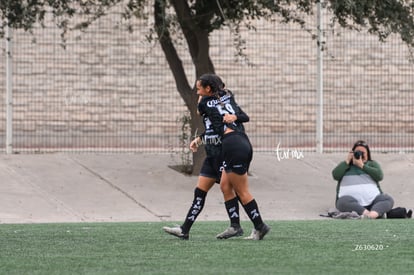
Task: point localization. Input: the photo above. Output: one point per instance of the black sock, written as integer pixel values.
(252, 211)
(232, 207)
(195, 209)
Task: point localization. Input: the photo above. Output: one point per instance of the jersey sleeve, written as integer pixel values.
(241, 116)
(213, 115)
(201, 106)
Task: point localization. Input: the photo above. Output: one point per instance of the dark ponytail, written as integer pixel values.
(213, 81)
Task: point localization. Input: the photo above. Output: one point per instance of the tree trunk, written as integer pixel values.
(198, 42)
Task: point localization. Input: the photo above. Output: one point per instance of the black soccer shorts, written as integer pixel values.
(237, 152)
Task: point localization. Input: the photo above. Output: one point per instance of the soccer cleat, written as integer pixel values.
(262, 232)
(176, 231)
(259, 234)
(252, 235)
(230, 232)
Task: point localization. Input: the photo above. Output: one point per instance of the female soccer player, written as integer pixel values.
(236, 149)
(209, 175)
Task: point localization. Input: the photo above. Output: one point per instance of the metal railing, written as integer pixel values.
(110, 91)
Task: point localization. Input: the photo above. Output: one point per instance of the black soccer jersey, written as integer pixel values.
(213, 109)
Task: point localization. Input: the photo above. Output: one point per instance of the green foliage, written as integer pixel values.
(380, 17)
(292, 247)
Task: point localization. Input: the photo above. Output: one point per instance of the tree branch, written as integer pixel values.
(171, 55)
(197, 38)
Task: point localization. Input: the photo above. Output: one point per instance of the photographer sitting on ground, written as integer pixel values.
(358, 186)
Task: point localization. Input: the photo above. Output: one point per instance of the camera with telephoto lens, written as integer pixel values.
(358, 154)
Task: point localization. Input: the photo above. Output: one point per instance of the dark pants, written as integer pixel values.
(381, 204)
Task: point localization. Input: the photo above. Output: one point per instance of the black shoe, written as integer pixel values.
(409, 213)
(262, 231)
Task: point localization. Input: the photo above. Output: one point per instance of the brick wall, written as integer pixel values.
(110, 89)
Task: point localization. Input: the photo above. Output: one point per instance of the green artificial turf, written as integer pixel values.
(292, 247)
